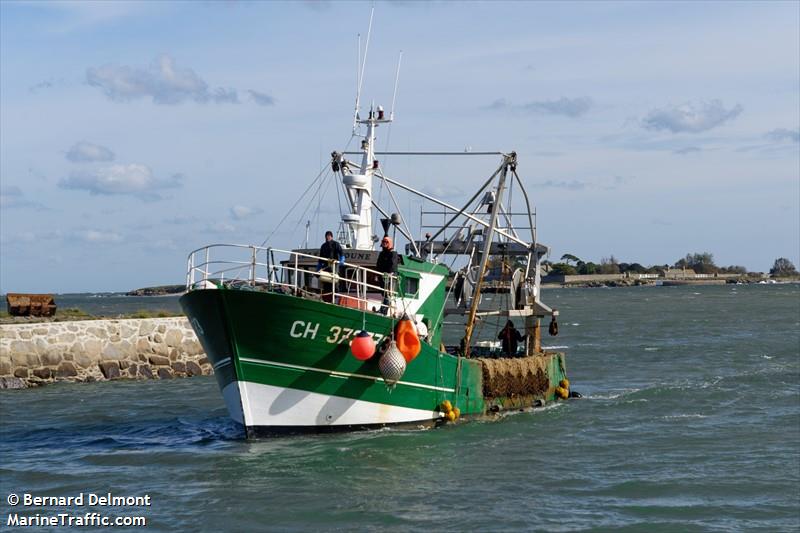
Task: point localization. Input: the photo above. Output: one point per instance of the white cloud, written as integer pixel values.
(240, 212)
(45, 84)
(500, 103)
(180, 220)
(261, 99)
(564, 106)
(317, 5)
(163, 81)
(573, 185)
(692, 117)
(12, 197)
(443, 192)
(568, 107)
(85, 152)
(159, 245)
(225, 96)
(687, 150)
(219, 227)
(135, 180)
(782, 134)
(97, 236)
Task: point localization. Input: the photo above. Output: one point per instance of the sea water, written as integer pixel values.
(690, 421)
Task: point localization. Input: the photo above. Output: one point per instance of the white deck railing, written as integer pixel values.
(272, 269)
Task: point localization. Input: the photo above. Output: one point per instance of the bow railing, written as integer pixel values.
(271, 269)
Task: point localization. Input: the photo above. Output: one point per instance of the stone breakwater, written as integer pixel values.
(98, 350)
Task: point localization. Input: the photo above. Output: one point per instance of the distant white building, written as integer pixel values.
(678, 273)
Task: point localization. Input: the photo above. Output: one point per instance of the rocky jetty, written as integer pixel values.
(96, 350)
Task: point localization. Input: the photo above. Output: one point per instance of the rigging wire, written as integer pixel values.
(311, 202)
(289, 212)
(339, 196)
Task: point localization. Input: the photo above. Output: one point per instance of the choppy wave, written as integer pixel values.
(690, 421)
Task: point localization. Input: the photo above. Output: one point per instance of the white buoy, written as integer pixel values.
(392, 364)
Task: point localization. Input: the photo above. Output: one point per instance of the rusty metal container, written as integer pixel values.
(20, 304)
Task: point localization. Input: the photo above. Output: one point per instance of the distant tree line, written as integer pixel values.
(700, 263)
(783, 268)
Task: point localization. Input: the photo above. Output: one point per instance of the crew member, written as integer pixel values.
(386, 263)
(510, 337)
(330, 253)
(387, 259)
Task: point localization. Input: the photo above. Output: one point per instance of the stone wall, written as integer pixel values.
(96, 350)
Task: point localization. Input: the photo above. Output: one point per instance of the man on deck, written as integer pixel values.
(330, 253)
(387, 259)
(386, 263)
(510, 337)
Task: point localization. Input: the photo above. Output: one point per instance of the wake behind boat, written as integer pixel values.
(301, 342)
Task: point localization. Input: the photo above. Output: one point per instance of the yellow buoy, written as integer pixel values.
(564, 383)
(562, 393)
(456, 411)
(451, 416)
(447, 406)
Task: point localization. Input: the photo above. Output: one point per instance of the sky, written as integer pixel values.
(134, 132)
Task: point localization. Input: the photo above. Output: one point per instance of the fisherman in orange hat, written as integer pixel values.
(387, 259)
(387, 263)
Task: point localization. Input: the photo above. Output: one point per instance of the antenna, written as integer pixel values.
(396, 80)
(358, 86)
(361, 68)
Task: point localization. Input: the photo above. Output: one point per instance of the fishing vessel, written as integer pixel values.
(301, 342)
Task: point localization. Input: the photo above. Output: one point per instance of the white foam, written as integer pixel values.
(547, 407)
(611, 395)
(687, 415)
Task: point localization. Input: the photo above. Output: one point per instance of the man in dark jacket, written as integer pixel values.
(386, 263)
(510, 337)
(330, 253)
(387, 259)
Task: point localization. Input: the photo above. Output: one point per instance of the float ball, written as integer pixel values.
(362, 346)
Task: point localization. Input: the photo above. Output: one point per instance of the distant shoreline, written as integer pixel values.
(159, 290)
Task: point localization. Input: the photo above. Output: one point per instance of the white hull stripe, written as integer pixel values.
(343, 375)
(223, 362)
(233, 401)
(267, 405)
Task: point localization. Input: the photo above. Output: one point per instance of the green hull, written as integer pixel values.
(285, 362)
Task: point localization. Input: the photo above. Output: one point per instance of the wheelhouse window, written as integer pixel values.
(411, 285)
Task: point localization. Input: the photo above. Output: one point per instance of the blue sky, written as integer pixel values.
(132, 133)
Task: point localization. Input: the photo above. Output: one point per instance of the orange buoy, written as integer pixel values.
(407, 339)
(362, 346)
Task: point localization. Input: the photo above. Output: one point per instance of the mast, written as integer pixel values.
(358, 183)
(487, 247)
